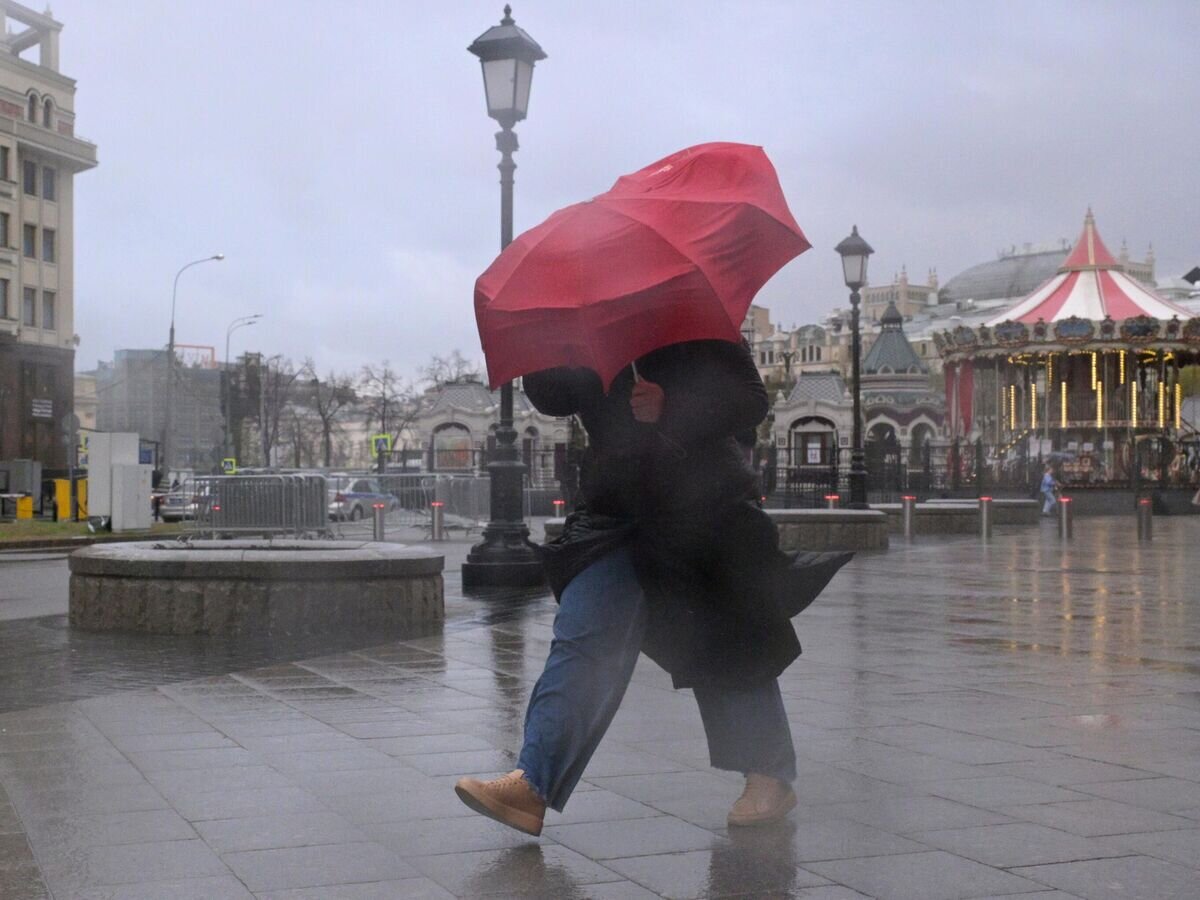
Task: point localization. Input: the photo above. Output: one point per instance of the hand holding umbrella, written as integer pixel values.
(647, 401)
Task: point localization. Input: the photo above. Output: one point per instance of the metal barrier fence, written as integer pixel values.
(287, 505)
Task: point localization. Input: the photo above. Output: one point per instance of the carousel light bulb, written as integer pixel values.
(1133, 398)
(1033, 406)
(1178, 404)
(1093, 370)
(1122, 367)
(1162, 406)
(1099, 404)
(1063, 405)
(1012, 407)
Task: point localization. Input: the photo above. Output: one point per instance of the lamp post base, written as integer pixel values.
(858, 482)
(505, 558)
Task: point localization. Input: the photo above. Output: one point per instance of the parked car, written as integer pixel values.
(354, 498)
(178, 505)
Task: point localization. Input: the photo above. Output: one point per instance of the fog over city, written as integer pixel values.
(340, 155)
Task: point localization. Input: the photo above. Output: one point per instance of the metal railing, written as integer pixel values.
(294, 505)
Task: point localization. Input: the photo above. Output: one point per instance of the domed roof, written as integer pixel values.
(1010, 276)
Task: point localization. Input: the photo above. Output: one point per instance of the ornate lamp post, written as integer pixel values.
(169, 413)
(854, 252)
(505, 557)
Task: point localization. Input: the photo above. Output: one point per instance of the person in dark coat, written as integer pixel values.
(668, 553)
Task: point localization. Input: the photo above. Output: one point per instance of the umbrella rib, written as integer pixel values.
(603, 198)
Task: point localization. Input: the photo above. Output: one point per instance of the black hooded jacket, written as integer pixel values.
(680, 493)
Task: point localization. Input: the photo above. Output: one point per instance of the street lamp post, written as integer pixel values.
(169, 413)
(855, 252)
(233, 326)
(505, 557)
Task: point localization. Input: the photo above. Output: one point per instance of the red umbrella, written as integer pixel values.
(674, 252)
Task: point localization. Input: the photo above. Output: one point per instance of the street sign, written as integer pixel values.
(381, 445)
(229, 466)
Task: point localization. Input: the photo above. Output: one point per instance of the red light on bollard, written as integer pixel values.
(985, 498)
(909, 497)
(378, 506)
(437, 503)
(1144, 502)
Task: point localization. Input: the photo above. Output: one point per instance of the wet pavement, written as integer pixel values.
(1017, 718)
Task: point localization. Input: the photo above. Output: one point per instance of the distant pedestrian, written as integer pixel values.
(1049, 491)
(668, 553)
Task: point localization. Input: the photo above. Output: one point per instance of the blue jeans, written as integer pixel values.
(597, 637)
(1049, 503)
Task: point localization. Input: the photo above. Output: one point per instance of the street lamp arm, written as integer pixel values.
(166, 460)
(216, 257)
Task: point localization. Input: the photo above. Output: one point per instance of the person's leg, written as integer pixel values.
(597, 637)
(747, 729)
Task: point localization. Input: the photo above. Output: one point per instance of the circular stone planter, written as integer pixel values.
(254, 587)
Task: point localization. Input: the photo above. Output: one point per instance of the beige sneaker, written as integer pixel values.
(509, 799)
(765, 800)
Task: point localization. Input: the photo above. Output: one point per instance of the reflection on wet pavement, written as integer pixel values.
(971, 720)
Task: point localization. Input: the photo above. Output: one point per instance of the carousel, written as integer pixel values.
(1085, 372)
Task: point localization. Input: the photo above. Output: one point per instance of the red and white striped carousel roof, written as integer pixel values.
(1091, 285)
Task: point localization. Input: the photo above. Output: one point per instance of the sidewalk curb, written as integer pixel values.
(76, 542)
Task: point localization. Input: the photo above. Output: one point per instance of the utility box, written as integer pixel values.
(22, 476)
(24, 507)
(130, 492)
(106, 451)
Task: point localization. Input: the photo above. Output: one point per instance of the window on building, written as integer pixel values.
(4, 225)
(30, 177)
(32, 109)
(30, 243)
(49, 301)
(29, 307)
(48, 112)
(49, 183)
(4, 313)
(5, 160)
(49, 250)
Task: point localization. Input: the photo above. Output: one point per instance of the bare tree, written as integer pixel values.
(279, 377)
(444, 369)
(329, 400)
(389, 402)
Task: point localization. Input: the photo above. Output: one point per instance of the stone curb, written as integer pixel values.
(249, 561)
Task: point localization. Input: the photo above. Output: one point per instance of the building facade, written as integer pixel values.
(131, 395)
(39, 158)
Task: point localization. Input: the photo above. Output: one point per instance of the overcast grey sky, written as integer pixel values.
(340, 155)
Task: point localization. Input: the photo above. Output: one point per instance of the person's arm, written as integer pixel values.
(719, 395)
(560, 392)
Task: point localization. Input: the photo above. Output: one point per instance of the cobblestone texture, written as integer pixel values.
(1020, 717)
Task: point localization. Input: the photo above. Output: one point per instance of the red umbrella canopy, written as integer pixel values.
(673, 252)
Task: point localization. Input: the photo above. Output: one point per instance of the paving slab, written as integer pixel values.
(1018, 718)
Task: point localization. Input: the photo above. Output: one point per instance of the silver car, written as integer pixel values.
(354, 498)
